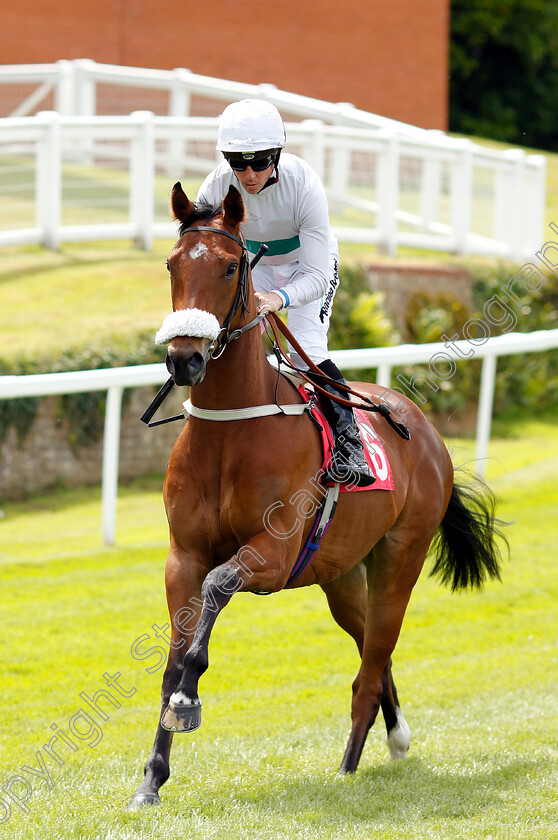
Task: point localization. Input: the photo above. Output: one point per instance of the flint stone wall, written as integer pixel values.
(46, 458)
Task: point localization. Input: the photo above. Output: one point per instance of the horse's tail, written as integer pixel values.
(465, 544)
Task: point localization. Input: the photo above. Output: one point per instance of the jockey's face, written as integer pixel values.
(252, 181)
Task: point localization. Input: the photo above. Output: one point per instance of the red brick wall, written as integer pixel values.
(386, 57)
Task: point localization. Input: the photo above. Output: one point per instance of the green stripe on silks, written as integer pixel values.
(276, 248)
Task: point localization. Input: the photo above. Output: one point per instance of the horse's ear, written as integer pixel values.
(181, 205)
(233, 207)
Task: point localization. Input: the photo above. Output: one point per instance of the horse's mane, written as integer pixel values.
(202, 211)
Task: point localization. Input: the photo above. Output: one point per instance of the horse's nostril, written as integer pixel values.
(169, 361)
(185, 368)
(195, 363)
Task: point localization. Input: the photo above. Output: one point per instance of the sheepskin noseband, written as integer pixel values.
(196, 323)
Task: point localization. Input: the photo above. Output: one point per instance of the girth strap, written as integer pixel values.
(323, 518)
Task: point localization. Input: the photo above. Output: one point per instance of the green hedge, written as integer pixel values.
(523, 381)
(83, 413)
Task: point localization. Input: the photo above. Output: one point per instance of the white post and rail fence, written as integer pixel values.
(115, 380)
(76, 173)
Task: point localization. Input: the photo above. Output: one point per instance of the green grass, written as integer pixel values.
(79, 295)
(475, 672)
(476, 675)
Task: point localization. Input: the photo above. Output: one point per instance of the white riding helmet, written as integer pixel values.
(251, 125)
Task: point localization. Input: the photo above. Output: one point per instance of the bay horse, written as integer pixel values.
(236, 493)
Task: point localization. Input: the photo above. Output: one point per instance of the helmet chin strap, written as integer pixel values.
(273, 178)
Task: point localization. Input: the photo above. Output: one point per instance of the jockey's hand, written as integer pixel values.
(268, 302)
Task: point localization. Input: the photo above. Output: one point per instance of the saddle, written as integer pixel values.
(374, 451)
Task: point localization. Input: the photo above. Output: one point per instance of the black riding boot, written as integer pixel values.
(349, 464)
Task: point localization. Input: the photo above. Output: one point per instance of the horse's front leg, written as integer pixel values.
(259, 564)
(183, 584)
(157, 767)
(183, 712)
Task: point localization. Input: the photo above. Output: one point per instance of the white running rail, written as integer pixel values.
(114, 380)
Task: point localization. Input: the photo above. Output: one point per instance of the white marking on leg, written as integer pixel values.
(399, 739)
(180, 699)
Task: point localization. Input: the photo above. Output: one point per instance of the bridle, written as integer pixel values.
(241, 297)
(225, 335)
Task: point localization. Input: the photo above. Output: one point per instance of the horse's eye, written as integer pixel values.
(168, 266)
(231, 269)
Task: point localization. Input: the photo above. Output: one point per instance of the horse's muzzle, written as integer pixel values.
(185, 362)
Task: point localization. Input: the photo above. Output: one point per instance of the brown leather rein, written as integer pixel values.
(365, 404)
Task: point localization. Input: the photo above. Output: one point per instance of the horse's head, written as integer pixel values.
(209, 275)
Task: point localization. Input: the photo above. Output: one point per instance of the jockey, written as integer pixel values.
(287, 210)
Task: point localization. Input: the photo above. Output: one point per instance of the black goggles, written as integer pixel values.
(257, 164)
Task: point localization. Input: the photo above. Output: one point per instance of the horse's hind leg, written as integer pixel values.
(393, 569)
(347, 596)
(398, 732)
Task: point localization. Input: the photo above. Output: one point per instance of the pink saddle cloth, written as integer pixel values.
(374, 451)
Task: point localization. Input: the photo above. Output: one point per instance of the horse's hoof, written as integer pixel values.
(182, 717)
(399, 738)
(140, 800)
